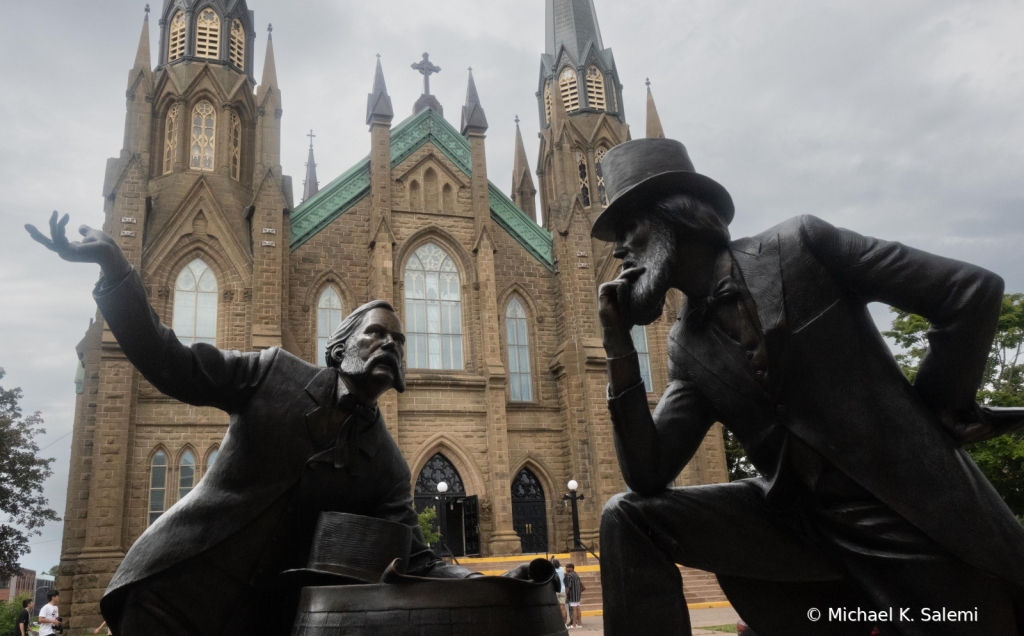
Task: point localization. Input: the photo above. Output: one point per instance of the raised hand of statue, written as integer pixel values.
(96, 246)
(612, 297)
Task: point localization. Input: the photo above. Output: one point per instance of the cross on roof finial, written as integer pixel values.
(517, 120)
(311, 135)
(426, 68)
(648, 82)
(378, 56)
(270, 28)
(147, 9)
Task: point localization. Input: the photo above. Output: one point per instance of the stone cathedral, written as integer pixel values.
(506, 371)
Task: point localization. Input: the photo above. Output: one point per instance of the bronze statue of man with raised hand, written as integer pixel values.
(867, 499)
(302, 440)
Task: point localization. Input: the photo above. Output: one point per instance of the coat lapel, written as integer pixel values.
(318, 418)
(709, 348)
(761, 269)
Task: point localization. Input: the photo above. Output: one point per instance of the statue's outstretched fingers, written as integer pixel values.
(39, 237)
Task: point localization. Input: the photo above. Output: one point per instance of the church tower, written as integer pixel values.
(197, 201)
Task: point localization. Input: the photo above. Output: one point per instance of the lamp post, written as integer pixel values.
(577, 545)
(442, 498)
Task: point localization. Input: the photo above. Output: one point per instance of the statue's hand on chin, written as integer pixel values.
(613, 298)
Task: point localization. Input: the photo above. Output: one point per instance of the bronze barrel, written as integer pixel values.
(486, 606)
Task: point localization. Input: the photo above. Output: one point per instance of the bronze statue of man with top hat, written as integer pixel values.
(867, 499)
(303, 441)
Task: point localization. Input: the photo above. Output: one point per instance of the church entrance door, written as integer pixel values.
(529, 513)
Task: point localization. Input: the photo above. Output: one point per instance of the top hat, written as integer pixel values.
(351, 549)
(649, 169)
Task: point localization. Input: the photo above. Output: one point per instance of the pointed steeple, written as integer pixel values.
(572, 23)
(142, 55)
(523, 191)
(473, 118)
(378, 102)
(654, 129)
(269, 66)
(310, 186)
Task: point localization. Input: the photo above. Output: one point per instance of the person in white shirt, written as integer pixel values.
(49, 616)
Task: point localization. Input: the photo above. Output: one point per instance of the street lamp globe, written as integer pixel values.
(442, 487)
(573, 485)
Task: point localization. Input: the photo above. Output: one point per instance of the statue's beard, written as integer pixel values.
(645, 299)
(359, 370)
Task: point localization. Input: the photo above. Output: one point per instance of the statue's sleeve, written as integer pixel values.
(962, 302)
(653, 448)
(201, 374)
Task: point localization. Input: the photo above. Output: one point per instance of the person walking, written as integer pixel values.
(102, 625)
(560, 594)
(49, 615)
(574, 589)
(27, 606)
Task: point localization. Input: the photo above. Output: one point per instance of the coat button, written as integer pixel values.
(780, 410)
(759, 374)
(750, 355)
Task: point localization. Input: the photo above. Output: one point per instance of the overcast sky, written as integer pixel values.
(903, 120)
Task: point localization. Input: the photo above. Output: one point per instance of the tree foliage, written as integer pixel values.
(428, 520)
(736, 458)
(21, 481)
(1000, 459)
(9, 613)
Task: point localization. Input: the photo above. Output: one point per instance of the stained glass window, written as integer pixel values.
(237, 49)
(570, 89)
(518, 352)
(208, 35)
(640, 344)
(171, 139)
(176, 37)
(433, 310)
(186, 474)
(195, 304)
(602, 195)
(595, 88)
(203, 127)
(328, 317)
(581, 165)
(436, 470)
(547, 101)
(157, 485)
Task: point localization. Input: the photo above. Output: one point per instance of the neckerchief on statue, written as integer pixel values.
(346, 447)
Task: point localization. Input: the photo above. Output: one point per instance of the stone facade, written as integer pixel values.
(425, 182)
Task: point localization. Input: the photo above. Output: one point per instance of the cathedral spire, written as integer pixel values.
(269, 66)
(378, 102)
(473, 118)
(523, 191)
(310, 186)
(654, 129)
(142, 55)
(572, 23)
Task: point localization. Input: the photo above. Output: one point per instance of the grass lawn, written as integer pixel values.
(726, 629)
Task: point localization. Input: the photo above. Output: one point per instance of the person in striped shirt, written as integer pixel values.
(574, 589)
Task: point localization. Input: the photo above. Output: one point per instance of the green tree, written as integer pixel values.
(9, 613)
(427, 520)
(21, 481)
(1000, 459)
(736, 458)
(54, 571)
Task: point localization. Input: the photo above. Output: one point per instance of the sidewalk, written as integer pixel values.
(698, 618)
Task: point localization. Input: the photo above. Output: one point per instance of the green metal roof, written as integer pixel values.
(425, 126)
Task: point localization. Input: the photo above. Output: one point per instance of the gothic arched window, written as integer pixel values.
(195, 304)
(581, 166)
(204, 122)
(236, 146)
(595, 89)
(430, 190)
(602, 195)
(157, 485)
(433, 310)
(447, 198)
(171, 139)
(518, 352)
(176, 37)
(570, 89)
(208, 35)
(436, 470)
(415, 201)
(236, 52)
(328, 317)
(644, 353)
(212, 458)
(186, 474)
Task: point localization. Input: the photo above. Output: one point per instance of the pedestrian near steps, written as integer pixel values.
(560, 573)
(574, 589)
